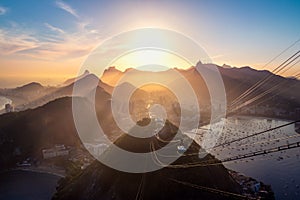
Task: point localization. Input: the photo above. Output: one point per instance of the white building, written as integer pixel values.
(57, 150)
(49, 153)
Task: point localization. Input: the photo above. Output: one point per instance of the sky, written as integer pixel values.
(47, 41)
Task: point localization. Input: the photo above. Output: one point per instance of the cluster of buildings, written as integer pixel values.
(56, 151)
(252, 188)
(77, 155)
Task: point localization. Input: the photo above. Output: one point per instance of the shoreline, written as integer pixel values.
(260, 117)
(44, 170)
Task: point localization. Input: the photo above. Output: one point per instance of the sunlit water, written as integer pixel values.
(281, 170)
(26, 185)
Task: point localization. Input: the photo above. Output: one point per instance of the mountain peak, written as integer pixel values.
(125, 85)
(31, 86)
(226, 66)
(72, 80)
(111, 69)
(86, 72)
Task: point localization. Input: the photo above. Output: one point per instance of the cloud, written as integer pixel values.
(55, 29)
(55, 45)
(12, 42)
(3, 10)
(67, 8)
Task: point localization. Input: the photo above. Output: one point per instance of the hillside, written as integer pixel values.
(30, 87)
(276, 93)
(236, 80)
(72, 80)
(86, 83)
(34, 129)
(101, 182)
(26, 93)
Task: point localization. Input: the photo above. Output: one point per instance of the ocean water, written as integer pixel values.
(281, 170)
(26, 185)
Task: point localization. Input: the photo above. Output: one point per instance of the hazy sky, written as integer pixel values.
(48, 40)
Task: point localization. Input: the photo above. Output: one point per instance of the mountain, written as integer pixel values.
(197, 82)
(101, 182)
(133, 76)
(30, 87)
(275, 91)
(88, 79)
(111, 76)
(125, 87)
(280, 90)
(34, 129)
(26, 93)
(72, 80)
(85, 85)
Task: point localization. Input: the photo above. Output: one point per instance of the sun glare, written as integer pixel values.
(148, 57)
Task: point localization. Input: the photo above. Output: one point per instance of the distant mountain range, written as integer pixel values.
(33, 95)
(279, 90)
(26, 93)
(236, 81)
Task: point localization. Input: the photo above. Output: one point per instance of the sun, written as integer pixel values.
(151, 57)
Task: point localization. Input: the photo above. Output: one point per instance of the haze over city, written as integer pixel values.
(149, 100)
